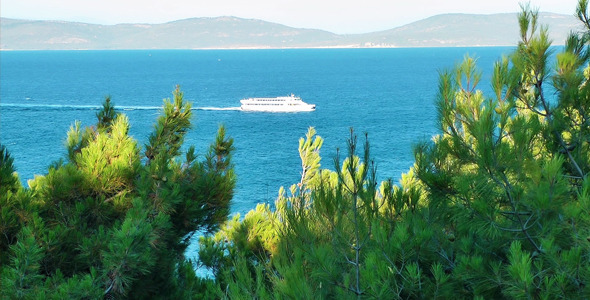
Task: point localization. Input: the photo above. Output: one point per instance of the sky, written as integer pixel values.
(338, 16)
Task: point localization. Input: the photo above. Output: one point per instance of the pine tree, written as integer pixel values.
(10, 223)
(109, 222)
(511, 172)
(106, 115)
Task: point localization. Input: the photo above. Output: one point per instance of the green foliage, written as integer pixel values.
(9, 182)
(108, 222)
(170, 128)
(110, 161)
(309, 149)
(106, 115)
(496, 206)
(23, 279)
(12, 208)
(325, 240)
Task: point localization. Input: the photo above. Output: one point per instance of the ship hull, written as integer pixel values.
(299, 108)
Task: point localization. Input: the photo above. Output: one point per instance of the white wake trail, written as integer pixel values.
(97, 107)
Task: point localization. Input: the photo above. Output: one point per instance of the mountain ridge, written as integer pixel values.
(229, 32)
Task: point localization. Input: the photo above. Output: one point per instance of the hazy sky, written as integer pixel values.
(339, 16)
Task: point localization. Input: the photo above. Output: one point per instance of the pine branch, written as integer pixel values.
(508, 189)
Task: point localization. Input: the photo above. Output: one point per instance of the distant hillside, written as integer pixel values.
(222, 32)
(230, 32)
(451, 30)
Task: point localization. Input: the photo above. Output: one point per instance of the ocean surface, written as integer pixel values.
(388, 93)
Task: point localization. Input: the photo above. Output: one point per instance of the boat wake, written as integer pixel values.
(27, 106)
(218, 108)
(48, 106)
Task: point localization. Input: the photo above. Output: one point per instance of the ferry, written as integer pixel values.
(279, 104)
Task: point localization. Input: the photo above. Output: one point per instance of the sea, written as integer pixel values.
(388, 93)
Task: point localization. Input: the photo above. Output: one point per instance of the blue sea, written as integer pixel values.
(388, 93)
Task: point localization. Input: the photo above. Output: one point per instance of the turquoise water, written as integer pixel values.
(388, 93)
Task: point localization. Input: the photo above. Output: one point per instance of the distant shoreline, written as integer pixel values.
(232, 33)
(264, 48)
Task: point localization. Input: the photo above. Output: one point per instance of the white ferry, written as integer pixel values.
(278, 104)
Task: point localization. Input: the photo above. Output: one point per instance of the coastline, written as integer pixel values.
(263, 48)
